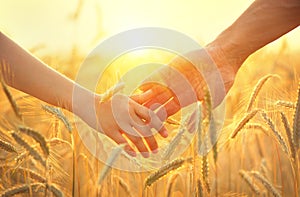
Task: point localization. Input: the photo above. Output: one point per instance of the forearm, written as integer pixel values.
(263, 22)
(28, 74)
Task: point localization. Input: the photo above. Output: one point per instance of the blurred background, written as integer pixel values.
(63, 32)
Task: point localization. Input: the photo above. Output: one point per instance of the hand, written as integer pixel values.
(121, 116)
(177, 93)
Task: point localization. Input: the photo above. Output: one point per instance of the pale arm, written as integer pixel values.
(24, 72)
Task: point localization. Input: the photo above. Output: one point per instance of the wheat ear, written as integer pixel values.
(257, 89)
(33, 152)
(199, 188)
(176, 140)
(123, 185)
(296, 124)
(245, 175)
(275, 132)
(287, 104)
(244, 121)
(20, 170)
(205, 172)
(109, 162)
(8, 147)
(164, 170)
(37, 137)
(11, 99)
(112, 91)
(288, 134)
(266, 183)
(25, 188)
(58, 114)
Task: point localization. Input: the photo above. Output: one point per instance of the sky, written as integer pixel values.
(53, 26)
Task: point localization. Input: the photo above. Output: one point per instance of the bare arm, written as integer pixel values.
(28, 74)
(263, 22)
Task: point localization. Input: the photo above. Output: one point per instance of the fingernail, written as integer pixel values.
(155, 151)
(145, 154)
(164, 133)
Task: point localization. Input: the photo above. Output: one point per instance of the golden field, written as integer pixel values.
(42, 154)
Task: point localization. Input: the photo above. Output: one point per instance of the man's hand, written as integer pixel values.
(209, 69)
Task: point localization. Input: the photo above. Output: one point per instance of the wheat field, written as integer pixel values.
(257, 153)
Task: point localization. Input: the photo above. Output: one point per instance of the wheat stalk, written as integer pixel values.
(173, 144)
(33, 152)
(199, 129)
(112, 91)
(8, 147)
(257, 89)
(296, 124)
(287, 104)
(58, 114)
(244, 121)
(21, 170)
(176, 140)
(25, 188)
(123, 185)
(275, 132)
(245, 175)
(288, 134)
(164, 170)
(256, 126)
(171, 184)
(199, 188)
(266, 183)
(205, 172)
(109, 162)
(37, 137)
(11, 99)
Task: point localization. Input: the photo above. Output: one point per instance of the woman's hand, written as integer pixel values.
(121, 116)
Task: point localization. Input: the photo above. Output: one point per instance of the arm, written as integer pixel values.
(263, 22)
(26, 73)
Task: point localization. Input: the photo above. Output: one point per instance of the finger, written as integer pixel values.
(138, 142)
(170, 108)
(152, 119)
(143, 97)
(161, 98)
(146, 132)
(156, 88)
(119, 139)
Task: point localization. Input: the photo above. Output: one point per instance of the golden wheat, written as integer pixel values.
(164, 170)
(275, 132)
(245, 175)
(11, 99)
(22, 171)
(171, 184)
(8, 147)
(257, 89)
(288, 134)
(59, 114)
(268, 185)
(112, 91)
(31, 150)
(37, 137)
(123, 185)
(296, 123)
(287, 104)
(244, 121)
(109, 162)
